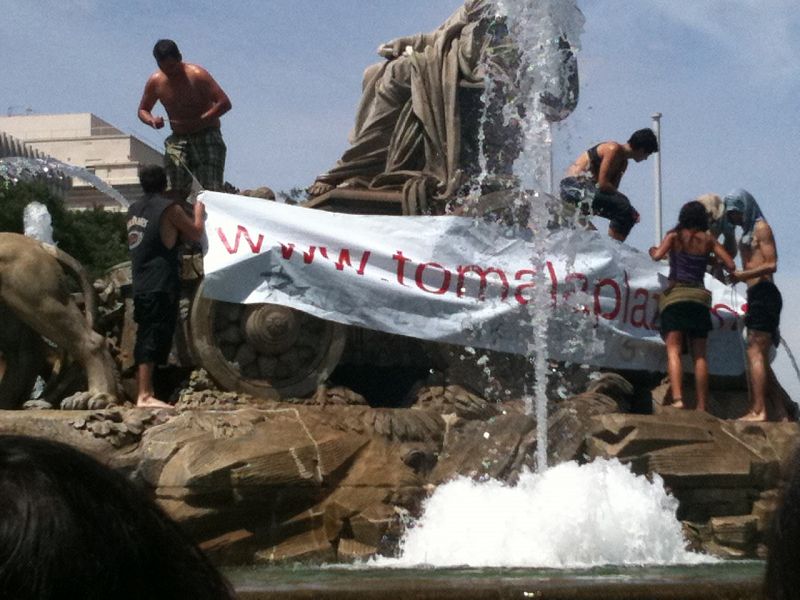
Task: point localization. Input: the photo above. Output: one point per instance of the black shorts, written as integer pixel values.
(690, 318)
(156, 315)
(615, 206)
(764, 304)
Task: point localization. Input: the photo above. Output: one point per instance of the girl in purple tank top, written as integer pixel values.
(685, 304)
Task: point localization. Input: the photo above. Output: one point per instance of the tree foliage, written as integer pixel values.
(96, 238)
(295, 195)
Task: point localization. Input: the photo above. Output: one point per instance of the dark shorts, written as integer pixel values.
(690, 318)
(764, 304)
(201, 154)
(156, 315)
(583, 192)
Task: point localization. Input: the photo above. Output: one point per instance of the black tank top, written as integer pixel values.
(594, 161)
(154, 266)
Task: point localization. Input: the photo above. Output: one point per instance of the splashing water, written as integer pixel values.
(37, 222)
(570, 516)
(18, 168)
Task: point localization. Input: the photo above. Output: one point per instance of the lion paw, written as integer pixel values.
(88, 401)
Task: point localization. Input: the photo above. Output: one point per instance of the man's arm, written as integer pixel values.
(146, 104)
(189, 229)
(722, 255)
(729, 240)
(220, 103)
(769, 254)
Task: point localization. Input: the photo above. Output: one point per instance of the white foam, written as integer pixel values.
(570, 516)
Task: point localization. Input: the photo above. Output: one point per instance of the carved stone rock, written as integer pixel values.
(259, 481)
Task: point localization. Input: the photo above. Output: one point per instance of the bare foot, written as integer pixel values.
(318, 188)
(152, 402)
(677, 403)
(700, 408)
(758, 417)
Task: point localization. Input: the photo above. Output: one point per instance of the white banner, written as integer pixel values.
(455, 279)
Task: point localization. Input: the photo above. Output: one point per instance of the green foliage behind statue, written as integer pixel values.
(94, 237)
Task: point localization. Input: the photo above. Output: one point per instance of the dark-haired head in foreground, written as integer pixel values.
(71, 527)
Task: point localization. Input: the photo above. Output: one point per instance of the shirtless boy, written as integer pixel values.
(194, 103)
(592, 181)
(759, 263)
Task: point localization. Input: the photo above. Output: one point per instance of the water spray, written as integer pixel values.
(791, 357)
(19, 168)
(538, 29)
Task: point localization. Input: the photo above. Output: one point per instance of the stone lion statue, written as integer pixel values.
(33, 290)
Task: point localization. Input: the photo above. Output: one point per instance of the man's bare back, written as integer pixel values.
(614, 162)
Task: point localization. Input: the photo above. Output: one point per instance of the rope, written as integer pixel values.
(197, 187)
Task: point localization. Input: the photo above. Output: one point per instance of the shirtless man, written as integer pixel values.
(759, 263)
(155, 226)
(592, 181)
(194, 103)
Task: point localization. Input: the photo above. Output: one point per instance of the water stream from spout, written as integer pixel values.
(538, 29)
(51, 170)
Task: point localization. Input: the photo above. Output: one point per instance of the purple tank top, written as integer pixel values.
(687, 268)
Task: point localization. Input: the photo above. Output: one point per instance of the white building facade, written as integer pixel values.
(85, 140)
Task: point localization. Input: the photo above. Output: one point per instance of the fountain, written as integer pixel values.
(569, 516)
(330, 480)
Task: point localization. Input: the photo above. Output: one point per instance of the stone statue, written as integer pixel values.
(408, 129)
(32, 288)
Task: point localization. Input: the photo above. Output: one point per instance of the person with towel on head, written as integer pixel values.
(759, 257)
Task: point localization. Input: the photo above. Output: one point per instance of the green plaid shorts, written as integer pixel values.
(201, 154)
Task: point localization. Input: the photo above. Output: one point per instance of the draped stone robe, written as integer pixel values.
(407, 133)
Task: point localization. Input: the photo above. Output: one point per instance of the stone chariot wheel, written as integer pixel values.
(264, 350)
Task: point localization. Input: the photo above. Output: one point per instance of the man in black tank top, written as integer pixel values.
(155, 226)
(592, 180)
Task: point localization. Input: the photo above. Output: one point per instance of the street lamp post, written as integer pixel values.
(657, 167)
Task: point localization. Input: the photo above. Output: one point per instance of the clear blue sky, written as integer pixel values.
(724, 73)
